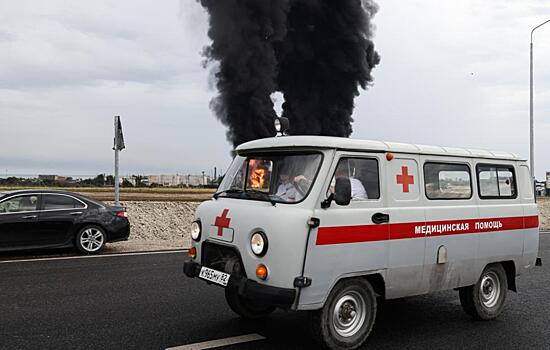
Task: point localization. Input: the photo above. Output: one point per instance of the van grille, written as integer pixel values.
(222, 258)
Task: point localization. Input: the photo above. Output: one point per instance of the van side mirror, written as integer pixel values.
(342, 191)
(341, 195)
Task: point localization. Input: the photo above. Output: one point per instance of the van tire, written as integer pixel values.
(247, 309)
(329, 330)
(485, 299)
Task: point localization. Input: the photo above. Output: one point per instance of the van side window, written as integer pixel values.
(447, 181)
(363, 175)
(496, 181)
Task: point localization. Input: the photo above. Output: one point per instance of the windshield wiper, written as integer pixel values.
(229, 191)
(265, 195)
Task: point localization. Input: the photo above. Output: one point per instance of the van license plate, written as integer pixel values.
(214, 276)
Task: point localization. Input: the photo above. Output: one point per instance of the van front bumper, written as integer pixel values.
(268, 295)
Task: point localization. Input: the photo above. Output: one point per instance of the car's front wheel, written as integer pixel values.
(91, 239)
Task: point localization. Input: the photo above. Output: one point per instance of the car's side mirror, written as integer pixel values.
(342, 191)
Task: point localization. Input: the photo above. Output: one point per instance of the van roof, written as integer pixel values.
(371, 145)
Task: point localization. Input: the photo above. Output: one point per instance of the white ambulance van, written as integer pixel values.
(333, 225)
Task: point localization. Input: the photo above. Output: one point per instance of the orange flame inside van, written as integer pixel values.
(257, 174)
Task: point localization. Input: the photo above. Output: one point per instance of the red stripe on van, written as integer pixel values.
(352, 234)
(531, 221)
(384, 232)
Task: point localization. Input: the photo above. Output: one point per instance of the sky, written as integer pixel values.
(452, 73)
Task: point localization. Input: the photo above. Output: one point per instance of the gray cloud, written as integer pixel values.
(456, 75)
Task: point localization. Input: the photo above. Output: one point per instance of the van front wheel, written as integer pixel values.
(485, 299)
(348, 316)
(245, 308)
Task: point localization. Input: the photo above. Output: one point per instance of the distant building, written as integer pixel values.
(179, 180)
(52, 178)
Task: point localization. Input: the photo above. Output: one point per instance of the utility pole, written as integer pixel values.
(118, 146)
(117, 190)
(531, 118)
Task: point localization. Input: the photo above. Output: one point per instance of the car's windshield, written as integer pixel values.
(276, 177)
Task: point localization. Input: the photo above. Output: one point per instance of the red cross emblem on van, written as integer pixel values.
(405, 179)
(222, 222)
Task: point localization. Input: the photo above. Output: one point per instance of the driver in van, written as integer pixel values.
(287, 189)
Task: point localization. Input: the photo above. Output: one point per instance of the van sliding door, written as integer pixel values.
(451, 214)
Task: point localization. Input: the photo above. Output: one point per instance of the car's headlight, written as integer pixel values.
(196, 230)
(258, 243)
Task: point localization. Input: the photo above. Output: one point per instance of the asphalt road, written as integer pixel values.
(145, 302)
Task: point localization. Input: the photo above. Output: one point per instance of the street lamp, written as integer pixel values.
(531, 135)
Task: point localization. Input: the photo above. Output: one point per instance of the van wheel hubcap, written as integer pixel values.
(490, 289)
(91, 239)
(348, 315)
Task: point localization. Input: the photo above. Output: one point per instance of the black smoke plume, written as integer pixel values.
(243, 33)
(316, 52)
(327, 54)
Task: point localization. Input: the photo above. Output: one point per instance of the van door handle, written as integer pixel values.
(380, 218)
(28, 217)
(76, 213)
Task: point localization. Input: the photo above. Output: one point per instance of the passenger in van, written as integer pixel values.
(358, 191)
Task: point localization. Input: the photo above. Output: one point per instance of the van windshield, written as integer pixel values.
(281, 177)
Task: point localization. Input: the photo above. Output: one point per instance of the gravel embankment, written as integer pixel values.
(157, 226)
(544, 213)
(165, 225)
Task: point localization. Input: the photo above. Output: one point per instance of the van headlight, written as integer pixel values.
(196, 230)
(258, 243)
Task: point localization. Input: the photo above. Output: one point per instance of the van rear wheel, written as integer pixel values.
(348, 316)
(245, 308)
(485, 299)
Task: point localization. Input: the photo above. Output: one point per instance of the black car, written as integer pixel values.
(55, 219)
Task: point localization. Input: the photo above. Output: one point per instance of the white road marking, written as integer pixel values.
(220, 342)
(92, 256)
